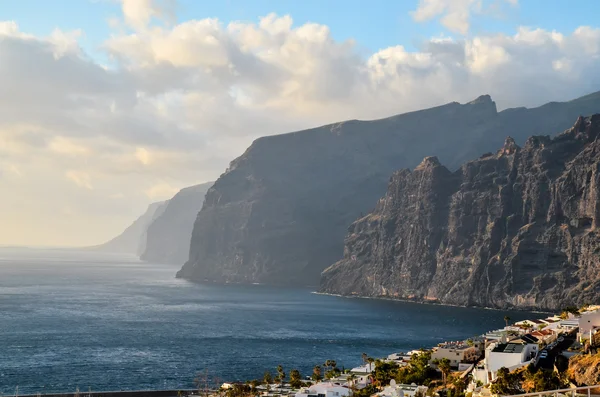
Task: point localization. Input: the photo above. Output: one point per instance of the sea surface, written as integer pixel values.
(85, 320)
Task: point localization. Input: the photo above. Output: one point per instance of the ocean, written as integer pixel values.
(71, 319)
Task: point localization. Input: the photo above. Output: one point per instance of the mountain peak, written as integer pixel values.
(429, 162)
(510, 146)
(482, 99)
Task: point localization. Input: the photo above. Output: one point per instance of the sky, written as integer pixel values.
(109, 105)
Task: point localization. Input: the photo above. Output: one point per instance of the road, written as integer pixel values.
(548, 362)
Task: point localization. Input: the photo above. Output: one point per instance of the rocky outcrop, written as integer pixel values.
(279, 214)
(514, 229)
(133, 239)
(168, 236)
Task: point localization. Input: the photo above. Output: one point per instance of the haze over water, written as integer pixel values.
(79, 319)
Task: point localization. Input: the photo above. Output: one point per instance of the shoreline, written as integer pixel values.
(432, 303)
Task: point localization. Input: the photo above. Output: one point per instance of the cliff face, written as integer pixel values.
(280, 212)
(133, 239)
(168, 236)
(518, 228)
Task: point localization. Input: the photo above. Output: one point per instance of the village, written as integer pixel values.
(530, 356)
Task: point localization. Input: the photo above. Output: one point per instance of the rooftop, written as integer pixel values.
(509, 348)
(454, 345)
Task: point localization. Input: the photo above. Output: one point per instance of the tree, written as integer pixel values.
(367, 391)
(569, 310)
(444, 366)
(317, 374)
(535, 380)
(364, 358)
(418, 370)
(506, 320)
(332, 369)
(254, 384)
(295, 379)
(352, 380)
(370, 361)
(268, 378)
(384, 372)
(506, 383)
(280, 376)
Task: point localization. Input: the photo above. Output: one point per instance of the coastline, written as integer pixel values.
(433, 303)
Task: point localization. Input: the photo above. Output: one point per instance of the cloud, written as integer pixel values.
(161, 191)
(80, 178)
(142, 155)
(62, 145)
(139, 13)
(455, 15)
(179, 101)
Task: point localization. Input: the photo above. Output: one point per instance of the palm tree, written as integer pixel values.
(316, 376)
(352, 380)
(280, 376)
(371, 360)
(444, 366)
(506, 320)
(364, 358)
(253, 385)
(267, 378)
(295, 379)
(326, 365)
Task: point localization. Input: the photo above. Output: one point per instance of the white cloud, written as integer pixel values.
(455, 15)
(80, 178)
(62, 145)
(142, 155)
(139, 13)
(180, 101)
(161, 191)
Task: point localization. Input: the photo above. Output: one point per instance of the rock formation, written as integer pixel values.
(133, 239)
(279, 214)
(168, 236)
(514, 229)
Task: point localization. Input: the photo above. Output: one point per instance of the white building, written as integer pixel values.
(364, 369)
(324, 390)
(589, 322)
(512, 355)
(395, 390)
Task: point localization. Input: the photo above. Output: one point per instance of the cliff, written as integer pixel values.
(133, 238)
(168, 236)
(518, 228)
(279, 214)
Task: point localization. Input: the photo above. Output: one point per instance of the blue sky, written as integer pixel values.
(373, 25)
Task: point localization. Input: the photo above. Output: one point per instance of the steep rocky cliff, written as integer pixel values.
(133, 238)
(168, 236)
(518, 228)
(280, 212)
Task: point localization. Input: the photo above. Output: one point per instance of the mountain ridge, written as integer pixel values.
(168, 236)
(279, 214)
(514, 229)
(132, 239)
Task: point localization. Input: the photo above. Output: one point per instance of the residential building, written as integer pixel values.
(589, 323)
(512, 355)
(545, 335)
(455, 351)
(401, 390)
(364, 369)
(324, 389)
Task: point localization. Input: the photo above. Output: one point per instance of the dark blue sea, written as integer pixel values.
(84, 320)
